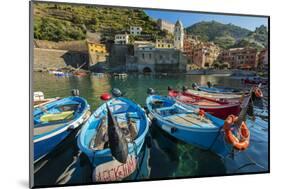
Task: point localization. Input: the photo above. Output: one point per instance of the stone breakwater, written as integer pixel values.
(46, 59)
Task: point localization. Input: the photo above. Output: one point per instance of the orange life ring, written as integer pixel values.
(244, 142)
(258, 92)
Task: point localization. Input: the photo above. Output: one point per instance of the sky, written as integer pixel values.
(190, 18)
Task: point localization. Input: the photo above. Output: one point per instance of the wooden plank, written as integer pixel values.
(45, 129)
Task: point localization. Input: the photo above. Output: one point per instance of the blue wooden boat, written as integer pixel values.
(54, 121)
(104, 164)
(184, 123)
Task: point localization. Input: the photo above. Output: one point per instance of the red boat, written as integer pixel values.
(215, 107)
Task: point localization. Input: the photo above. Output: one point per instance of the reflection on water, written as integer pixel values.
(162, 156)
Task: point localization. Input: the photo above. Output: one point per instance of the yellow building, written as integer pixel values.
(96, 48)
(97, 53)
(164, 44)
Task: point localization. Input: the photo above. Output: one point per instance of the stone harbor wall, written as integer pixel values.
(45, 59)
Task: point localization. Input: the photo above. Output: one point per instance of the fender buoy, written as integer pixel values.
(258, 92)
(238, 144)
(105, 97)
(201, 113)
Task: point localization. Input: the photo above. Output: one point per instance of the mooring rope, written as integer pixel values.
(252, 162)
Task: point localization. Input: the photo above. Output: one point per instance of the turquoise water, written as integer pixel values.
(162, 156)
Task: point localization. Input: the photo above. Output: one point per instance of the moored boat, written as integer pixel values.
(40, 100)
(217, 96)
(217, 108)
(95, 139)
(193, 126)
(54, 121)
(218, 89)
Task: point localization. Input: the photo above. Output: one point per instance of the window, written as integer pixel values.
(169, 45)
(142, 55)
(149, 56)
(162, 45)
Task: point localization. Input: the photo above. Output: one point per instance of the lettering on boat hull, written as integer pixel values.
(114, 170)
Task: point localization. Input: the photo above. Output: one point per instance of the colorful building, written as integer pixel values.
(97, 53)
(164, 44)
(240, 58)
(189, 44)
(96, 48)
(263, 59)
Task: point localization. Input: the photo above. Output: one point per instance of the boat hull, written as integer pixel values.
(213, 141)
(43, 147)
(222, 112)
(235, 98)
(208, 138)
(214, 107)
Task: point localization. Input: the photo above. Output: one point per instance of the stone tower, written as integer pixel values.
(178, 35)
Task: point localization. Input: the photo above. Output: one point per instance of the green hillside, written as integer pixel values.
(229, 35)
(211, 30)
(60, 22)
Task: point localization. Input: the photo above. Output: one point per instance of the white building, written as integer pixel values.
(178, 35)
(121, 39)
(135, 30)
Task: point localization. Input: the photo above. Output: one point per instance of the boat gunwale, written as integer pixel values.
(57, 131)
(106, 152)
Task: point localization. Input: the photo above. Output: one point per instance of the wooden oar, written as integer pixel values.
(244, 108)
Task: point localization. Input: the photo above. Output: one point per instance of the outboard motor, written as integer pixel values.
(194, 86)
(184, 88)
(116, 92)
(150, 91)
(170, 88)
(75, 92)
(209, 84)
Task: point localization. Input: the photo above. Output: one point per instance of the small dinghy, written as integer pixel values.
(54, 121)
(215, 107)
(113, 137)
(196, 127)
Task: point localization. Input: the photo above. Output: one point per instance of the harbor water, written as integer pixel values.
(162, 156)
